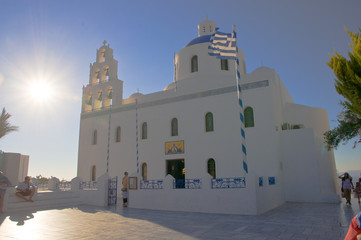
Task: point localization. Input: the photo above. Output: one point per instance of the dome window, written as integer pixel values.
(194, 64)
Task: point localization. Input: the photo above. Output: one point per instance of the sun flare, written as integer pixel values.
(40, 91)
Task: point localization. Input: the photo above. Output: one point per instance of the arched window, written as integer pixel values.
(211, 165)
(209, 122)
(224, 64)
(95, 135)
(102, 55)
(144, 131)
(174, 127)
(117, 134)
(248, 117)
(94, 169)
(194, 64)
(144, 171)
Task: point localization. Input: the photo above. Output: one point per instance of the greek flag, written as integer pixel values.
(223, 45)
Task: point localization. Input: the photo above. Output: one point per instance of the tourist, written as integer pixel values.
(354, 231)
(125, 197)
(125, 181)
(125, 189)
(25, 189)
(4, 183)
(358, 191)
(347, 185)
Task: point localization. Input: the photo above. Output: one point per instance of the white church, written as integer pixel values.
(181, 145)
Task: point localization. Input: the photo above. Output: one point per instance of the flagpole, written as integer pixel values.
(224, 46)
(136, 134)
(108, 146)
(240, 103)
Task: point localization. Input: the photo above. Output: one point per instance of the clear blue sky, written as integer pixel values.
(57, 40)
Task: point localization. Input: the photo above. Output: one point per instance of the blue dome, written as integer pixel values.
(201, 39)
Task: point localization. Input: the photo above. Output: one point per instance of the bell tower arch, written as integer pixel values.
(104, 88)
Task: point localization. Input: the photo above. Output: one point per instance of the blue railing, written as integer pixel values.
(239, 182)
(151, 184)
(41, 186)
(65, 186)
(89, 185)
(188, 183)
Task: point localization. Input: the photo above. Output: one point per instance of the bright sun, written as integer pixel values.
(40, 91)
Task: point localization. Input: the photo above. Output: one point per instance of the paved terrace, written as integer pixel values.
(290, 221)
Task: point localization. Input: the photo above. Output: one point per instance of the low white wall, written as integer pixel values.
(207, 200)
(96, 197)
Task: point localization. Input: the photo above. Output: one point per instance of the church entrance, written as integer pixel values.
(177, 170)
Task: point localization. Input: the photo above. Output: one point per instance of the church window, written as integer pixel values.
(174, 127)
(95, 135)
(224, 64)
(249, 118)
(117, 134)
(211, 165)
(102, 56)
(194, 64)
(209, 122)
(144, 171)
(144, 131)
(94, 169)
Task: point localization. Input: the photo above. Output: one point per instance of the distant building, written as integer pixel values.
(15, 166)
(183, 143)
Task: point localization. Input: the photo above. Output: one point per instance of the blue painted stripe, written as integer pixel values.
(241, 117)
(244, 150)
(243, 133)
(245, 167)
(240, 103)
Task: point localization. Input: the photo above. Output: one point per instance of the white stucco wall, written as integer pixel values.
(317, 119)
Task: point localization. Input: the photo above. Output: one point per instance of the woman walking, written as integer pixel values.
(347, 185)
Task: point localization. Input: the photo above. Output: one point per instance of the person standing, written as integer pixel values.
(125, 189)
(358, 191)
(4, 183)
(347, 185)
(25, 189)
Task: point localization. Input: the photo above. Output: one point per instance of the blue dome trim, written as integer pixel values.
(202, 39)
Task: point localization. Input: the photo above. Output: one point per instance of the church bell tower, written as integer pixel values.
(104, 88)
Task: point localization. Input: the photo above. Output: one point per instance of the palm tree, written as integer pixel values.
(5, 126)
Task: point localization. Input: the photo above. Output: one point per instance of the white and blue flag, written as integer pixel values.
(223, 45)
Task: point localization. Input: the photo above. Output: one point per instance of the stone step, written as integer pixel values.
(43, 200)
(44, 195)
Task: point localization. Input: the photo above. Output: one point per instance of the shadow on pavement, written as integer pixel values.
(19, 217)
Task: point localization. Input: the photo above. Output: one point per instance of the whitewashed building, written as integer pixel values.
(183, 143)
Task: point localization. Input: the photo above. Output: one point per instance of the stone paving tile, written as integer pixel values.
(292, 221)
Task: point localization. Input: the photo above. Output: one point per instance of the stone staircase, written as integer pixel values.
(42, 201)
